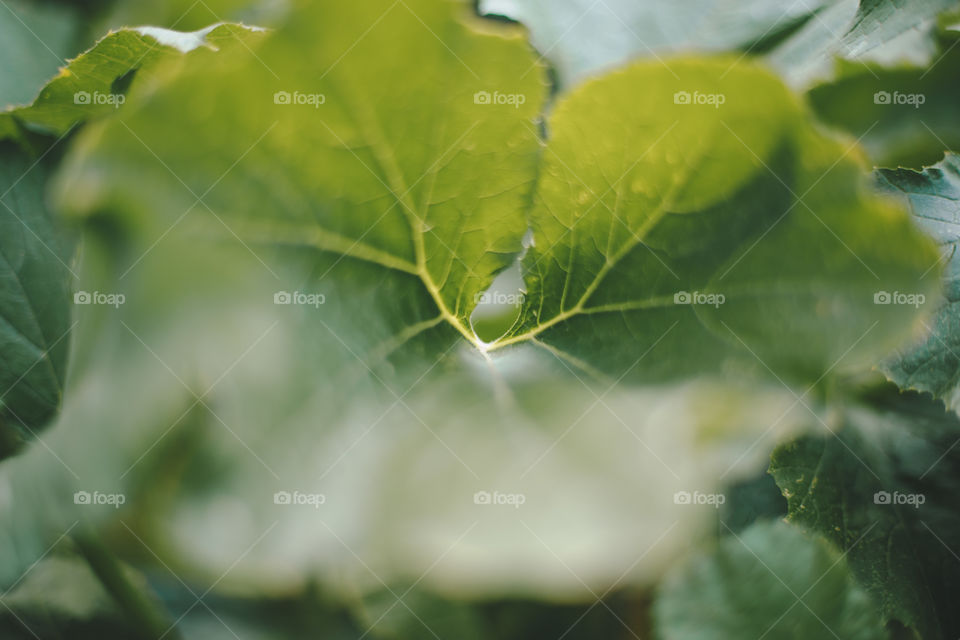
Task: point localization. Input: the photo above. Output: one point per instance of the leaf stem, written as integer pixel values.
(145, 617)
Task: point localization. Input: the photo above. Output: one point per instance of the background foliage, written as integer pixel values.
(416, 318)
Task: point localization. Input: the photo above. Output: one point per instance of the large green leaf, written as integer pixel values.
(883, 489)
(378, 165)
(771, 581)
(628, 213)
(34, 306)
(741, 203)
(932, 364)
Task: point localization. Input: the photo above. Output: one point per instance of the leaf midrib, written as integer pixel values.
(639, 236)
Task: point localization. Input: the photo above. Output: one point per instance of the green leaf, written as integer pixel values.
(741, 204)
(904, 116)
(628, 212)
(883, 489)
(94, 83)
(932, 364)
(34, 298)
(377, 165)
(771, 581)
(313, 163)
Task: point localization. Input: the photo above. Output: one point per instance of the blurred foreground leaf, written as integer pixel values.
(904, 116)
(770, 581)
(60, 597)
(34, 303)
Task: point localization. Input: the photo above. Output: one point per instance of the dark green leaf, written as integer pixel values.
(771, 581)
(903, 116)
(884, 490)
(932, 364)
(35, 282)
